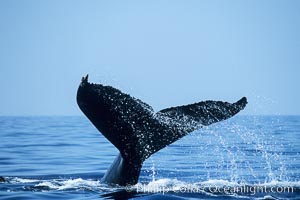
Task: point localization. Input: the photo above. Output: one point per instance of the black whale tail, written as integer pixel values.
(137, 131)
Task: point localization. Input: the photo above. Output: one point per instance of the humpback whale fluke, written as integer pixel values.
(137, 131)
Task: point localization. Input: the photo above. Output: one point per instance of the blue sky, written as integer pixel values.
(166, 53)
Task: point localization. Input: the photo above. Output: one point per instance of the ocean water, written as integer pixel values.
(245, 157)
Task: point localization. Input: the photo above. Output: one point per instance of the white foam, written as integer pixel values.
(79, 182)
(157, 186)
(165, 182)
(48, 184)
(71, 184)
(267, 197)
(22, 180)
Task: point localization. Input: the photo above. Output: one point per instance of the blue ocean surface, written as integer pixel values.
(245, 157)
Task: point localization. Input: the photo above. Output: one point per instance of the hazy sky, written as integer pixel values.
(166, 53)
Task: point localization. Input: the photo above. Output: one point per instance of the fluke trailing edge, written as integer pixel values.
(137, 131)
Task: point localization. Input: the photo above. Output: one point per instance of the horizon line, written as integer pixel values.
(67, 115)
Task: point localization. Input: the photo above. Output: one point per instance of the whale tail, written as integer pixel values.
(137, 131)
